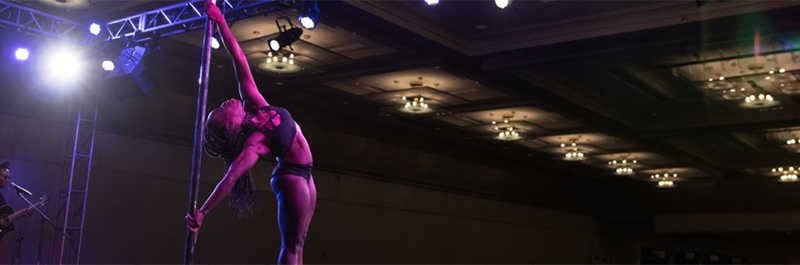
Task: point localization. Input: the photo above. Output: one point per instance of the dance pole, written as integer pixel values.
(199, 126)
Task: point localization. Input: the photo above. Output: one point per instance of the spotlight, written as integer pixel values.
(432, 2)
(64, 67)
(94, 29)
(108, 65)
(310, 17)
(502, 4)
(61, 66)
(21, 54)
(286, 37)
(214, 43)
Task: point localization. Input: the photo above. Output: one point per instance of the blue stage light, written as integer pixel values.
(310, 16)
(21, 54)
(94, 29)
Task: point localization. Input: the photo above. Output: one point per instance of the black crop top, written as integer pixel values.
(280, 136)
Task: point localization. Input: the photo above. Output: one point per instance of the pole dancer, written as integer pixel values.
(240, 132)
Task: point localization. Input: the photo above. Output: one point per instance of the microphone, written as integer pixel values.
(21, 189)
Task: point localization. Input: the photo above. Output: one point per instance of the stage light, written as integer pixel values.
(502, 4)
(285, 38)
(21, 54)
(432, 2)
(108, 65)
(94, 29)
(214, 43)
(61, 66)
(310, 16)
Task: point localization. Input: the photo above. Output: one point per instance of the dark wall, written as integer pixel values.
(139, 187)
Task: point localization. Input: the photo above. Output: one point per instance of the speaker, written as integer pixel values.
(131, 76)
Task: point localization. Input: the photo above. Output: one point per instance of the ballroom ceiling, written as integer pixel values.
(703, 95)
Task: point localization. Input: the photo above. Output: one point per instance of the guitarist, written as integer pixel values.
(5, 178)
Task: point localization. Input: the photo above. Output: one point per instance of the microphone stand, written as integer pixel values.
(18, 249)
(44, 216)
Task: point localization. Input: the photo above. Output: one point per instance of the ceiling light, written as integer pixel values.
(665, 184)
(623, 167)
(502, 4)
(432, 2)
(507, 133)
(280, 62)
(310, 16)
(788, 178)
(415, 105)
(762, 100)
(665, 180)
(787, 174)
(792, 141)
(573, 152)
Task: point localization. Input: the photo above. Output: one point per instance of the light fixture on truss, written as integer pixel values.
(285, 36)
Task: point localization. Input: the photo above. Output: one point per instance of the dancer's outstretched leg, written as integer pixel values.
(295, 209)
(312, 192)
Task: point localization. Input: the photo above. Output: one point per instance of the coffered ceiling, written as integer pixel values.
(664, 83)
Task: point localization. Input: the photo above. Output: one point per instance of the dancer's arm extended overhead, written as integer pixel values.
(248, 90)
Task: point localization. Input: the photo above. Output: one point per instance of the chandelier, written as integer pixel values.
(787, 174)
(665, 180)
(573, 152)
(279, 62)
(506, 133)
(415, 105)
(761, 99)
(623, 167)
(280, 58)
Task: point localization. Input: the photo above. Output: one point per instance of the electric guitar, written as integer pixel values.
(8, 215)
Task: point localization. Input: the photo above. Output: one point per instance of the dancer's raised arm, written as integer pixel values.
(248, 90)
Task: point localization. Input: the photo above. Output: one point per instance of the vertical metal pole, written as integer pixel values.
(95, 105)
(65, 228)
(199, 126)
